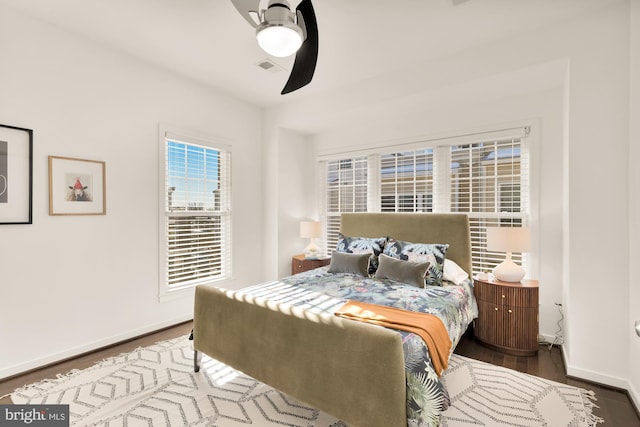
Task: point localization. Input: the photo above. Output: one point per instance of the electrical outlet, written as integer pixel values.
(638, 327)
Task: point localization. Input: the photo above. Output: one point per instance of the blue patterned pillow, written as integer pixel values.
(435, 253)
(361, 245)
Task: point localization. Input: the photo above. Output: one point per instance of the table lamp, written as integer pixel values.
(508, 239)
(311, 230)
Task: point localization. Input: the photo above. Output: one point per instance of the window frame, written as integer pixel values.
(352, 165)
(442, 194)
(167, 291)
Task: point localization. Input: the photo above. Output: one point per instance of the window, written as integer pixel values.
(195, 213)
(487, 179)
(346, 191)
(406, 181)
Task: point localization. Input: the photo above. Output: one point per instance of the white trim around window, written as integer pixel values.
(194, 211)
(451, 173)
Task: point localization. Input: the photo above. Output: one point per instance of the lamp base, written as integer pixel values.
(509, 271)
(312, 251)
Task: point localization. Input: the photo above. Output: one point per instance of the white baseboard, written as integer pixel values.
(598, 377)
(94, 345)
(595, 377)
(635, 396)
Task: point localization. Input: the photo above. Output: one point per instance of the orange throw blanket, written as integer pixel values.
(429, 327)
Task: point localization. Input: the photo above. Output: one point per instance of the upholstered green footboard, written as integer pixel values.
(348, 369)
(351, 370)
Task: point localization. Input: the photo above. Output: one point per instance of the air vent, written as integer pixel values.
(269, 65)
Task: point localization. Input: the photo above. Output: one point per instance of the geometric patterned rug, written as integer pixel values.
(156, 386)
(486, 395)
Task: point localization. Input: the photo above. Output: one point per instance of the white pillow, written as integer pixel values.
(454, 273)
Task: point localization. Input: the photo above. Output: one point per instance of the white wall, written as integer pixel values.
(297, 196)
(70, 284)
(598, 131)
(634, 198)
(573, 79)
(289, 192)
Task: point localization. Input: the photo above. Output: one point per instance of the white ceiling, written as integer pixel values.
(208, 41)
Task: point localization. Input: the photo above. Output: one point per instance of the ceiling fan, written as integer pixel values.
(281, 32)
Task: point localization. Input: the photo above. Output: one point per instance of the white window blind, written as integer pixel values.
(196, 229)
(406, 181)
(485, 176)
(489, 181)
(346, 190)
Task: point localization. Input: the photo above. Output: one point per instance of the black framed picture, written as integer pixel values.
(16, 175)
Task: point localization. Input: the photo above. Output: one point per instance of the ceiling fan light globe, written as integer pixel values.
(279, 40)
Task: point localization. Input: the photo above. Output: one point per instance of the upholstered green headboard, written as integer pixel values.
(415, 227)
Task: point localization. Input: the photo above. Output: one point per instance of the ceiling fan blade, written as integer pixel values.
(246, 6)
(307, 56)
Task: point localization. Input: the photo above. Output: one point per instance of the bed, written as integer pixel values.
(285, 334)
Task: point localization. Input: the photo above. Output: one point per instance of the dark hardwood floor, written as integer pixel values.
(614, 405)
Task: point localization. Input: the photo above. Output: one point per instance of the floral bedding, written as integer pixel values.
(322, 292)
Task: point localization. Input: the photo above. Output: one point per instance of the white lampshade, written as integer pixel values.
(508, 239)
(279, 40)
(311, 230)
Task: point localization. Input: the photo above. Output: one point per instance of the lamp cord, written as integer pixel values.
(559, 339)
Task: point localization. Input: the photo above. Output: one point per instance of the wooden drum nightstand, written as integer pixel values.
(507, 316)
(300, 264)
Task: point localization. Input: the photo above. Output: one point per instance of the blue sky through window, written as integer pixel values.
(192, 176)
